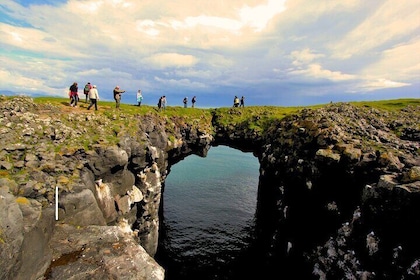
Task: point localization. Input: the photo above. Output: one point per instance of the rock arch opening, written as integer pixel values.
(208, 214)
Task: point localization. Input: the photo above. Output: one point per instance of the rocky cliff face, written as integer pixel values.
(339, 185)
(339, 191)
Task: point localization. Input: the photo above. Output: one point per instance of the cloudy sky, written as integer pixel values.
(274, 52)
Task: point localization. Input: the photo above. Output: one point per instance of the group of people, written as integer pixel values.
(193, 100)
(238, 102)
(162, 103)
(91, 93)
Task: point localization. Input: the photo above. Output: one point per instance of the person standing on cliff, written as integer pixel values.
(164, 103)
(74, 96)
(242, 102)
(139, 97)
(194, 99)
(236, 101)
(94, 97)
(160, 103)
(117, 96)
(86, 90)
(185, 101)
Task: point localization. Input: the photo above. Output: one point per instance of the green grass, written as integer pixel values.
(108, 108)
(251, 117)
(389, 105)
(126, 121)
(191, 113)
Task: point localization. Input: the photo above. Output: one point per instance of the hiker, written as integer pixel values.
(139, 97)
(160, 104)
(194, 99)
(74, 96)
(164, 103)
(117, 96)
(242, 102)
(185, 101)
(236, 101)
(86, 91)
(93, 97)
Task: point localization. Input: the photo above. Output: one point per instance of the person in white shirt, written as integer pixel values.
(93, 97)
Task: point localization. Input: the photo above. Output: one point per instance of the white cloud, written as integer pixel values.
(304, 56)
(31, 39)
(316, 71)
(219, 61)
(180, 83)
(197, 74)
(13, 81)
(211, 22)
(164, 60)
(257, 17)
(401, 62)
(304, 12)
(379, 84)
(391, 20)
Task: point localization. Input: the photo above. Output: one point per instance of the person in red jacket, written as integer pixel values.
(74, 96)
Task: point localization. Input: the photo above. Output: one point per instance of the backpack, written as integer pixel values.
(87, 88)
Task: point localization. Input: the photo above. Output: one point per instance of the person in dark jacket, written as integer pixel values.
(74, 96)
(194, 99)
(117, 96)
(242, 102)
(86, 90)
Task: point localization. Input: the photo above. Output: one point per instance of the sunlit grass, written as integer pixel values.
(389, 105)
(251, 117)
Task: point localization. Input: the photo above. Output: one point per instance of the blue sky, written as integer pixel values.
(273, 52)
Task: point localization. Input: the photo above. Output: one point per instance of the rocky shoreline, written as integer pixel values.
(351, 172)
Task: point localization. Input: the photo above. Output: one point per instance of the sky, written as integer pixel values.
(272, 52)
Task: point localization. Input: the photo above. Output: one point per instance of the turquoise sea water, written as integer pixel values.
(208, 214)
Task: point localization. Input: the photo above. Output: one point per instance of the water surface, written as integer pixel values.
(208, 207)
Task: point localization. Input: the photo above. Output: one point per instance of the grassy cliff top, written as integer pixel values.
(230, 115)
(107, 124)
(256, 118)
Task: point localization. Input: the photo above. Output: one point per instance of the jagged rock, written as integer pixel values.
(124, 204)
(107, 159)
(391, 161)
(96, 252)
(411, 175)
(11, 233)
(6, 165)
(35, 251)
(328, 156)
(81, 209)
(135, 194)
(106, 201)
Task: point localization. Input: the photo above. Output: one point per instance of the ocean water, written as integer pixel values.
(209, 209)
